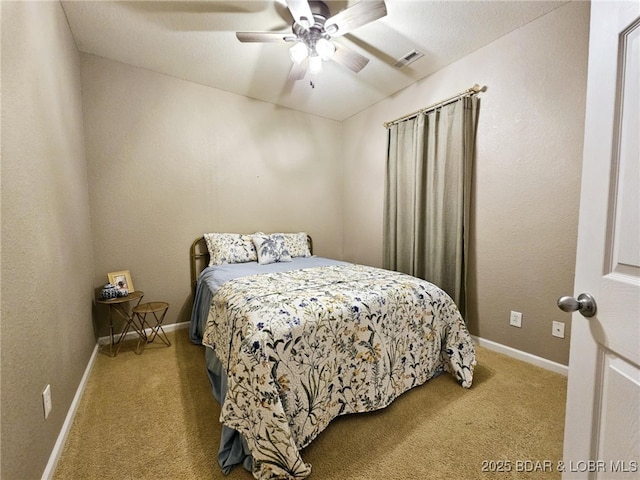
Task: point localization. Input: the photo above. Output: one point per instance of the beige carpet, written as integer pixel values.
(152, 416)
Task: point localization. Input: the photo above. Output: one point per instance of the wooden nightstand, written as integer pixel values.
(120, 305)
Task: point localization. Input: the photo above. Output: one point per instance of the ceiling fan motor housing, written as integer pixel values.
(314, 33)
(319, 9)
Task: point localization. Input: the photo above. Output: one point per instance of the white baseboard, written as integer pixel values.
(524, 356)
(132, 334)
(68, 421)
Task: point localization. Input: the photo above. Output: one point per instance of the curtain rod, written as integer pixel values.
(470, 91)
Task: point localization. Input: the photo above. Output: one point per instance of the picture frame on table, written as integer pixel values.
(121, 280)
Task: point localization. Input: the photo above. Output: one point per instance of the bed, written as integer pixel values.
(294, 340)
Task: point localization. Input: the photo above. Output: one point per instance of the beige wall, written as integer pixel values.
(169, 160)
(527, 175)
(47, 256)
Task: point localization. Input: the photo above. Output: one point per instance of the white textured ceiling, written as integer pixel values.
(195, 40)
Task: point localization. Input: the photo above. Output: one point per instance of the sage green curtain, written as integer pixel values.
(428, 195)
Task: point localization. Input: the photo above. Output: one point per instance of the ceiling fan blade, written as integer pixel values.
(353, 17)
(298, 70)
(350, 59)
(301, 12)
(266, 37)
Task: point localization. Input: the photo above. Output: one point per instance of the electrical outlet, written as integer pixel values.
(558, 329)
(515, 320)
(46, 401)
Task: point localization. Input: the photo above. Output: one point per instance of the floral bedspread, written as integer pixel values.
(302, 347)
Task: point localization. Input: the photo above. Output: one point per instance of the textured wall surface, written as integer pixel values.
(169, 160)
(47, 255)
(527, 175)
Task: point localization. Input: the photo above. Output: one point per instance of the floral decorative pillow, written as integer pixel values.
(230, 248)
(271, 248)
(297, 244)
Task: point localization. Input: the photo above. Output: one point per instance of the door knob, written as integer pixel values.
(585, 304)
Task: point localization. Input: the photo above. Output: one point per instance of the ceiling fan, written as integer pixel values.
(313, 30)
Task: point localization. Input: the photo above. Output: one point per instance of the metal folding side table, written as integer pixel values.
(158, 310)
(119, 305)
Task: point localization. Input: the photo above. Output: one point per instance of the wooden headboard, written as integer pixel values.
(200, 258)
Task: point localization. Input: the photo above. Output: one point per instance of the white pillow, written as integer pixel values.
(230, 248)
(271, 248)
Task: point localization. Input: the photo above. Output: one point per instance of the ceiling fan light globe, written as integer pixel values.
(298, 52)
(325, 49)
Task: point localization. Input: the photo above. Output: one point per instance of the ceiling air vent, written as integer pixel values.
(410, 57)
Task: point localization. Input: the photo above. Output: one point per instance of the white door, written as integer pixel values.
(602, 429)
